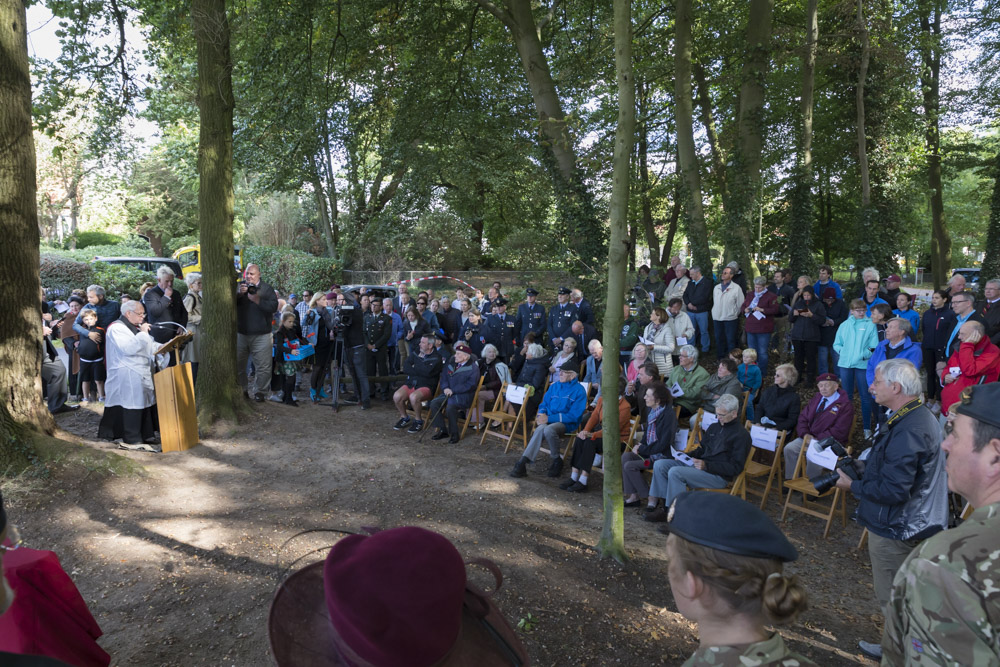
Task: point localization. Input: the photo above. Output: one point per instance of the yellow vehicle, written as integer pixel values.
(189, 258)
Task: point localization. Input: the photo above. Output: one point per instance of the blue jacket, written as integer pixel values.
(819, 287)
(936, 326)
(397, 328)
(462, 380)
(107, 312)
(910, 351)
(750, 377)
(564, 402)
(904, 491)
(912, 316)
(868, 306)
(854, 342)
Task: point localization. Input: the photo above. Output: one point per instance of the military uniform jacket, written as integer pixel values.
(561, 318)
(768, 652)
(501, 332)
(945, 604)
(378, 329)
(530, 319)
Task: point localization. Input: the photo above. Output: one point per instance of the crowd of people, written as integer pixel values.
(442, 359)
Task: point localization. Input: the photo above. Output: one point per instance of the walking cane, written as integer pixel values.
(431, 420)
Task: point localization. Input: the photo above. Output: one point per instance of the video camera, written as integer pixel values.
(851, 467)
(343, 317)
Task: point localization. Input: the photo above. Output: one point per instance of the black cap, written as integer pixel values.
(564, 290)
(980, 402)
(727, 523)
(499, 301)
(531, 291)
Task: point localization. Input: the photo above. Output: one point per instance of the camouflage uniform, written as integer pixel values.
(768, 652)
(945, 603)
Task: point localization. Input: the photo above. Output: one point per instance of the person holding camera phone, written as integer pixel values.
(903, 493)
(256, 302)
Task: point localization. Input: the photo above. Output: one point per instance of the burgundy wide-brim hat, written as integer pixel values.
(397, 597)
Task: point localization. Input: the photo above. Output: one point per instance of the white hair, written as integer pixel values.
(164, 271)
(870, 273)
(192, 278)
(535, 351)
(594, 344)
(689, 351)
(901, 372)
(488, 347)
(727, 402)
(96, 289)
(131, 305)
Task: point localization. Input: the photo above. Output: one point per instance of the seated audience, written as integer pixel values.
(423, 370)
(459, 380)
(566, 357)
(725, 381)
(829, 413)
(657, 439)
(976, 361)
(589, 441)
(559, 413)
(495, 373)
(750, 376)
(686, 381)
(779, 404)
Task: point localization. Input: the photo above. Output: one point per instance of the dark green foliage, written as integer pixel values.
(61, 275)
(293, 270)
(991, 262)
(121, 278)
(86, 239)
(800, 223)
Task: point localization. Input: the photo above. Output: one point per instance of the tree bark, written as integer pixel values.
(745, 176)
(687, 155)
(866, 187)
(991, 261)
(652, 240)
(217, 391)
(930, 83)
(21, 348)
(324, 217)
(802, 209)
(708, 121)
(612, 542)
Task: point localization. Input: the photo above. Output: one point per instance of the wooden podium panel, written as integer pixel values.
(175, 408)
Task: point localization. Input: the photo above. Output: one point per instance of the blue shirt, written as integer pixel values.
(819, 287)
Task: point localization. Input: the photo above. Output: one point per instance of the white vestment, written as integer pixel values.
(130, 373)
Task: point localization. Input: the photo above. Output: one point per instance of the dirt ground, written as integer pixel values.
(179, 559)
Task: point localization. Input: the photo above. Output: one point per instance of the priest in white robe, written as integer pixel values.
(130, 405)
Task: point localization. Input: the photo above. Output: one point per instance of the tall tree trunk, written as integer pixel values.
(21, 320)
(708, 121)
(687, 156)
(577, 215)
(612, 542)
(652, 240)
(801, 217)
(324, 217)
(218, 392)
(867, 218)
(930, 83)
(991, 262)
(745, 177)
(675, 214)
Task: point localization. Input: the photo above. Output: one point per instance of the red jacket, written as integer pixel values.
(835, 421)
(769, 303)
(980, 363)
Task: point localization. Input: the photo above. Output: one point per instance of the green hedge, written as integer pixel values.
(88, 239)
(293, 270)
(61, 275)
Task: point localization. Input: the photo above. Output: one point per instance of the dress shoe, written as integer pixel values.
(520, 468)
(577, 488)
(65, 408)
(568, 483)
(659, 515)
(453, 440)
(440, 435)
(555, 469)
(633, 503)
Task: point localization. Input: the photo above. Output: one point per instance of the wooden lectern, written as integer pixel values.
(175, 401)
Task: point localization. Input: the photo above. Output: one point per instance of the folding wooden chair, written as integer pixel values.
(423, 404)
(766, 442)
(472, 408)
(699, 424)
(629, 442)
(508, 393)
(800, 484)
(743, 405)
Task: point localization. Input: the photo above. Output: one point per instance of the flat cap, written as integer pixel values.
(727, 523)
(980, 402)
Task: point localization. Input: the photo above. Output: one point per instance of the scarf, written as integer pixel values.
(651, 424)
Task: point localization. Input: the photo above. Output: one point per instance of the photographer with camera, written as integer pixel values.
(348, 321)
(256, 303)
(903, 493)
(829, 413)
(943, 608)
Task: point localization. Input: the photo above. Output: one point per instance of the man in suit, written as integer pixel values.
(698, 302)
(584, 312)
(561, 318)
(402, 301)
(501, 330)
(583, 333)
(989, 310)
(530, 318)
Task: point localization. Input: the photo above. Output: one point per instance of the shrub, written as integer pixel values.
(293, 270)
(118, 278)
(87, 239)
(61, 275)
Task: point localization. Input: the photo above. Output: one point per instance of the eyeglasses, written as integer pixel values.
(14, 535)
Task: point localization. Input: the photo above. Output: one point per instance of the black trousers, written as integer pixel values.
(806, 354)
(378, 364)
(933, 380)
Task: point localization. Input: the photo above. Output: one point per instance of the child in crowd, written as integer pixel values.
(287, 339)
(736, 354)
(750, 377)
(903, 310)
(92, 370)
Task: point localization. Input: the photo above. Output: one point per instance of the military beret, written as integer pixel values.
(531, 291)
(564, 290)
(727, 523)
(462, 347)
(828, 377)
(980, 402)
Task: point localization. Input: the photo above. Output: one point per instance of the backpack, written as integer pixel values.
(310, 326)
